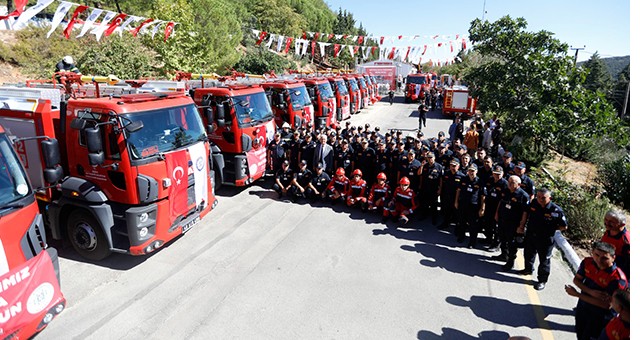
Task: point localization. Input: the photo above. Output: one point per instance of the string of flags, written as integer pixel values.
(111, 21)
(413, 54)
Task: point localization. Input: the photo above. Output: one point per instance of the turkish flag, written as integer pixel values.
(117, 21)
(381, 40)
(74, 19)
(168, 30)
(360, 40)
(316, 36)
(263, 35)
(330, 36)
(287, 45)
(336, 50)
(313, 49)
(392, 53)
(135, 31)
(20, 4)
(177, 169)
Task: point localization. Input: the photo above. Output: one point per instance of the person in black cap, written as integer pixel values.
(422, 115)
(511, 216)
(367, 162)
(307, 147)
(469, 203)
(507, 165)
(444, 155)
(345, 131)
(283, 179)
(412, 169)
(441, 138)
(431, 173)
(494, 189)
(449, 183)
(527, 183)
(316, 190)
(276, 153)
(301, 180)
(378, 133)
(293, 149)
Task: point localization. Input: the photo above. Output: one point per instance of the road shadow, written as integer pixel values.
(265, 183)
(493, 310)
(454, 334)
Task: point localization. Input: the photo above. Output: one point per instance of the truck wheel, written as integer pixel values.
(87, 236)
(217, 181)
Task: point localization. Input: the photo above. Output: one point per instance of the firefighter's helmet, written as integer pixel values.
(68, 60)
(356, 172)
(382, 176)
(404, 181)
(340, 172)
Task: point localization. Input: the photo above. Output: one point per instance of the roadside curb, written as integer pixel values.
(569, 254)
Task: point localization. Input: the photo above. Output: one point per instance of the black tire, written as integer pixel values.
(217, 182)
(86, 236)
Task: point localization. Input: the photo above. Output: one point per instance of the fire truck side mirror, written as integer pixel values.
(94, 145)
(312, 92)
(78, 124)
(51, 154)
(220, 114)
(208, 113)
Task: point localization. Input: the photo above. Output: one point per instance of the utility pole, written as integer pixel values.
(575, 59)
(484, 3)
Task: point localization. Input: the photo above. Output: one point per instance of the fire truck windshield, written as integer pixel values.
(325, 91)
(299, 97)
(252, 109)
(164, 130)
(416, 80)
(13, 181)
(342, 88)
(354, 84)
(363, 83)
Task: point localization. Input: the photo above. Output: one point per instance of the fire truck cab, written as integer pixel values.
(324, 101)
(354, 93)
(135, 164)
(416, 87)
(365, 91)
(290, 102)
(29, 269)
(343, 101)
(240, 125)
(458, 100)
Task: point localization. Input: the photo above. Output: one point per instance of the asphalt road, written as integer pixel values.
(261, 268)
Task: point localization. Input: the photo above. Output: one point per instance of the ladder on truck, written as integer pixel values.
(133, 87)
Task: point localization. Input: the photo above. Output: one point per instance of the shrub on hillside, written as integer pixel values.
(126, 58)
(615, 178)
(260, 61)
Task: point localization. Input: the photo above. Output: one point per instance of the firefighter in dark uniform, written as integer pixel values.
(449, 183)
(345, 131)
(511, 215)
(527, 183)
(431, 173)
(294, 150)
(543, 219)
(397, 156)
(343, 158)
(318, 185)
(277, 152)
(301, 180)
(286, 132)
(485, 170)
(412, 169)
(470, 205)
(465, 162)
(367, 162)
(284, 179)
(382, 158)
(507, 164)
(307, 148)
(444, 155)
(494, 188)
(479, 160)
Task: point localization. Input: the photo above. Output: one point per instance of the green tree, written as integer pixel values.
(620, 92)
(598, 77)
(528, 79)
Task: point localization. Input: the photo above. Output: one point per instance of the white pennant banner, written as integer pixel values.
(350, 50)
(126, 23)
(99, 30)
(305, 46)
(30, 13)
(95, 14)
(62, 10)
(269, 42)
(280, 41)
(155, 29)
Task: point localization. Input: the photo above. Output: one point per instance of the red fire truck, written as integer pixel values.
(375, 96)
(416, 87)
(290, 102)
(354, 93)
(136, 164)
(458, 100)
(365, 91)
(240, 125)
(343, 102)
(324, 101)
(30, 296)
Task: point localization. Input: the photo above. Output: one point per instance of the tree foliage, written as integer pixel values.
(598, 77)
(528, 79)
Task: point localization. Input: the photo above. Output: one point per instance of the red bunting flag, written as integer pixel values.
(392, 53)
(355, 49)
(261, 37)
(360, 39)
(345, 36)
(406, 57)
(425, 49)
(373, 49)
(287, 45)
(330, 36)
(451, 44)
(457, 36)
(117, 21)
(439, 44)
(168, 30)
(316, 36)
(399, 37)
(313, 49)
(381, 40)
(74, 20)
(135, 31)
(19, 4)
(464, 44)
(304, 35)
(336, 50)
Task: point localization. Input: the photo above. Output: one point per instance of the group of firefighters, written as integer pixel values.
(406, 175)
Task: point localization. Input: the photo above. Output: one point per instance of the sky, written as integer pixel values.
(601, 26)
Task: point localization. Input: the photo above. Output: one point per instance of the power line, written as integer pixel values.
(575, 59)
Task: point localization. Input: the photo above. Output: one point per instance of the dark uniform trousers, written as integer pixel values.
(542, 246)
(470, 221)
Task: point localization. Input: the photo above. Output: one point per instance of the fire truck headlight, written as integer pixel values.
(59, 308)
(47, 318)
(144, 217)
(166, 182)
(143, 232)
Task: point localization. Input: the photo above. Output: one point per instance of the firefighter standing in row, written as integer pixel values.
(469, 203)
(431, 173)
(494, 189)
(510, 216)
(449, 183)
